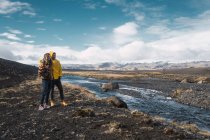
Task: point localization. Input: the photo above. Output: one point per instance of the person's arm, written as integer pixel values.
(40, 69)
(60, 70)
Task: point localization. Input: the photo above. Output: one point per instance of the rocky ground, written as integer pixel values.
(84, 118)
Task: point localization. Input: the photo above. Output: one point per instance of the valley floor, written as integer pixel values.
(85, 117)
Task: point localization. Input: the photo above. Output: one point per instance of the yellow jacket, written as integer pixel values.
(56, 68)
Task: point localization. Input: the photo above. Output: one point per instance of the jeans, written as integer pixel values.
(57, 82)
(45, 91)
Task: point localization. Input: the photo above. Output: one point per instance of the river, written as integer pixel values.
(148, 101)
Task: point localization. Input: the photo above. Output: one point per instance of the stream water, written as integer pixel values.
(147, 100)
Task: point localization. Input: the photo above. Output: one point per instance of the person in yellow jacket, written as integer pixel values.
(57, 74)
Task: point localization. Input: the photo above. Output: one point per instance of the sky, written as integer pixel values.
(97, 31)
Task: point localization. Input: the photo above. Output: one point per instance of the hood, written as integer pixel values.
(51, 53)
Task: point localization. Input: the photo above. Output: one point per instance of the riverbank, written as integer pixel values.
(188, 86)
(86, 117)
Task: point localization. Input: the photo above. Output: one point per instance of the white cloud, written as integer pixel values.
(138, 16)
(39, 22)
(9, 7)
(30, 53)
(132, 8)
(189, 47)
(102, 28)
(57, 20)
(10, 36)
(180, 26)
(30, 41)
(29, 13)
(58, 37)
(125, 33)
(115, 1)
(27, 36)
(201, 21)
(13, 31)
(41, 29)
(91, 6)
(128, 29)
(190, 42)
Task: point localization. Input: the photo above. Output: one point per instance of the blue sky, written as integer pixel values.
(95, 31)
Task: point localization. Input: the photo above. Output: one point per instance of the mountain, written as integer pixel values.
(137, 66)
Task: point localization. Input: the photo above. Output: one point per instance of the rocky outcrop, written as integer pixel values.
(109, 86)
(192, 97)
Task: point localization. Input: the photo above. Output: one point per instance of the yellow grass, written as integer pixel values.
(110, 76)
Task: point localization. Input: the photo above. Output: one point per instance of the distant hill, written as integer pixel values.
(138, 66)
(12, 72)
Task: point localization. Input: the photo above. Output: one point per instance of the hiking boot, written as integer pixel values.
(52, 103)
(46, 106)
(63, 103)
(41, 107)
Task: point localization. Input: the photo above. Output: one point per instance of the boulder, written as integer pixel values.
(117, 102)
(200, 82)
(109, 86)
(188, 80)
(184, 81)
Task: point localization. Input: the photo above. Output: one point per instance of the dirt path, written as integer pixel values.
(83, 118)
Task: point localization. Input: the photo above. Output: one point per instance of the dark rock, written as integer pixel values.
(55, 129)
(117, 102)
(168, 131)
(109, 86)
(85, 113)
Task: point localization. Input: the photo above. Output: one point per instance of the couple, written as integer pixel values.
(50, 71)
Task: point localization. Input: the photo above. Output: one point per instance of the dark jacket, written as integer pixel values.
(45, 69)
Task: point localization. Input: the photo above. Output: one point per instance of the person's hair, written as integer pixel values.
(45, 59)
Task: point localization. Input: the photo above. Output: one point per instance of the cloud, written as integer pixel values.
(102, 28)
(10, 36)
(29, 13)
(41, 29)
(128, 29)
(39, 22)
(179, 26)
(6, 52)
(9, 7)
(201, 21)
(125, 33)
(58, 37)
(30, 41)
(27, 36)
(57, 20)
(118, 2)
(184, 41)
(131, 8)
(91, 6)
(30, 53)
(188, 47)
(13, 31)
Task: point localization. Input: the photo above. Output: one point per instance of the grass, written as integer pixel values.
(109, 76)
(134, 75)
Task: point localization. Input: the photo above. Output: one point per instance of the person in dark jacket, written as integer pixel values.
(45, 72)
